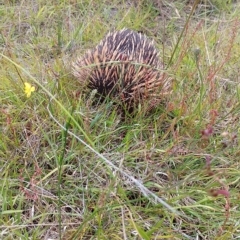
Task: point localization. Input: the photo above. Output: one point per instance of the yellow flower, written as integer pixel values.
(28, 89)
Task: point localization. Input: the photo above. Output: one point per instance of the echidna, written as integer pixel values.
(126, 65)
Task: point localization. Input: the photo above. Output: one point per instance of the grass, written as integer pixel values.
(74, 170)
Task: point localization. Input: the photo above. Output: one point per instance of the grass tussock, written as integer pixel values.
(72, 168)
